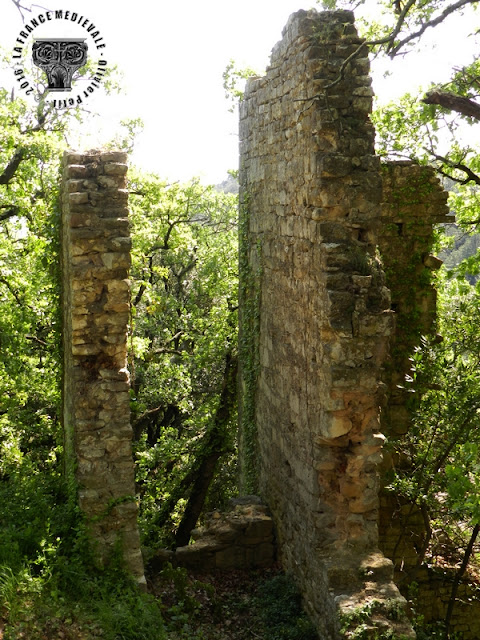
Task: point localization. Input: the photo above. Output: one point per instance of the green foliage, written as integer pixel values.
(435, 631)
(183, 334)
(32, 493)
(328, 5)
(48, 580)
(280, 606)
(66, 593)
(48, 583)
(29, 291)
(124, 612)
(235, 604)
(357, 624)
(432, 631)
(438, 461)
(184, 290)
(32, 139)
(459, 252)
(444, 438)
(234, 79)
(249, 300)
(407, 128)
(183, 330)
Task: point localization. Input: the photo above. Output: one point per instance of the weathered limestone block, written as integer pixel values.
(242, 538)
(96, 302)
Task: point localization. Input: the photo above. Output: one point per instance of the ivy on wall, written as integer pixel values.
(249, 297)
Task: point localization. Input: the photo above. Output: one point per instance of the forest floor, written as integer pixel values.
(228, 605)
(215, 606)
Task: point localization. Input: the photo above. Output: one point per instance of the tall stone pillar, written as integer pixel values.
(95, 254)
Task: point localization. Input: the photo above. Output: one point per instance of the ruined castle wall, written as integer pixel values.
(413, 202)
(315, 318)
(95, 253)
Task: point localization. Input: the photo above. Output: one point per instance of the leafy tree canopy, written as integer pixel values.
(184, 340)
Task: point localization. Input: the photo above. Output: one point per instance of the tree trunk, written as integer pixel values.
(458, 577)
(451, 101)
(214, 446)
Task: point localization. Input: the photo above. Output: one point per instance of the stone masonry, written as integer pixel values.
(95, 253)
(316, 321)
(413, 202)
(241, 538)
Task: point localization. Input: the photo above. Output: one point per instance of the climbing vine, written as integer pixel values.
(249, 296)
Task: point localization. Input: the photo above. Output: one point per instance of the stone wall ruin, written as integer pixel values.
(240, 538)
(319, 219)
(95, 254)
(334, 248)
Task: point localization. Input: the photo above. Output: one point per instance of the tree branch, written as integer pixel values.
(390, 39)
(458, 576)
(22, 8)
(37, 340)
(186, 269)
(214, 445)
(401, 19)
(14, 293)
(139, 295)
(12, 166)
(464, 106)
(471, 175)
(10, 213)
(430, 23)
